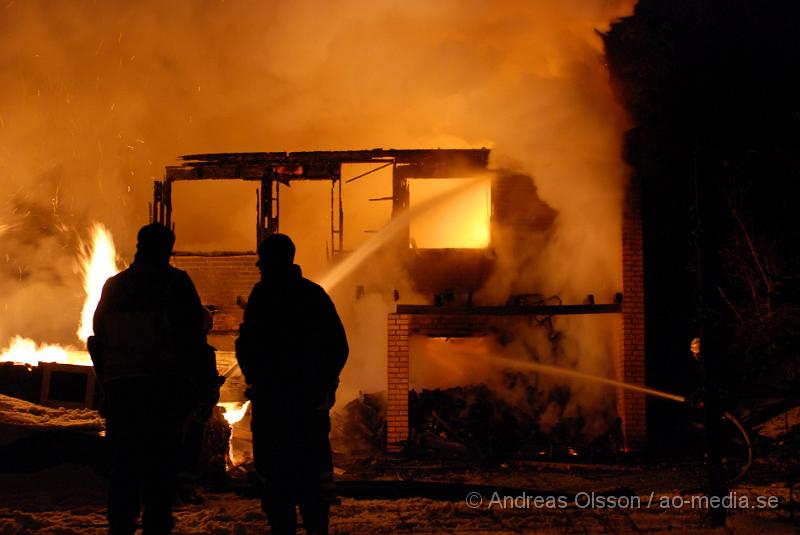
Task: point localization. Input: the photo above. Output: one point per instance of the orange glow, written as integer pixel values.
(98, 263)
(449, 362)
(460, 223)
(25, 351)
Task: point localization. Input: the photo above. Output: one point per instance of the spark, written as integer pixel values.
(4, 228)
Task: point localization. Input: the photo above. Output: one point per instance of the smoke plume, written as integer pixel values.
(97, 97)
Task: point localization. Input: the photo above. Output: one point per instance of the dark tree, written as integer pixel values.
(713, 89)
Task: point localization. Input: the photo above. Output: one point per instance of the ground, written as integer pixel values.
(69, 499)
(51, 482)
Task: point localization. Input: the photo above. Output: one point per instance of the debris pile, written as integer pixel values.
(488, 421)
(359, 428)
(483, 422)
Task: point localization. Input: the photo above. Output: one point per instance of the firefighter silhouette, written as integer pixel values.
(291, 348)
(156, 369)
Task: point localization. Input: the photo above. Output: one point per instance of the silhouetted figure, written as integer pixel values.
(291, 349)
(150, 354)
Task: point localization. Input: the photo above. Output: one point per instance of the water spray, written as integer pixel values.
(564, 372)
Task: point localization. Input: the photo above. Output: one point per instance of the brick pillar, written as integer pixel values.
(397, 366)
(631, 369)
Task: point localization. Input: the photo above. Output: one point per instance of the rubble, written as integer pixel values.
(359, 428)
(478, 422)
(482, 422)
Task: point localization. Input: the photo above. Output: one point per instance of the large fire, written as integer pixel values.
(97, 264)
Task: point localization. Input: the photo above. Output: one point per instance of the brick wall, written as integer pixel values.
(397, 392)
(219, 280)
(631, 364)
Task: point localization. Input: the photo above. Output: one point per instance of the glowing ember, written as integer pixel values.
(98, 263)
(25, 351)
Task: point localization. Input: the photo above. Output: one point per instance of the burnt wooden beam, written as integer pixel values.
(370, 172)
(215, 254)
(325, 165)
(320, 164)
(534, 310)
(216, 172)
(473, 157)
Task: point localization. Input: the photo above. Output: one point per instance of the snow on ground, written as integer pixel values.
(20, 418)
(69, 499)
(228, 514)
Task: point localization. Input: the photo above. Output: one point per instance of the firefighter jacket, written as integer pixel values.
(292, 345)
(150, 323)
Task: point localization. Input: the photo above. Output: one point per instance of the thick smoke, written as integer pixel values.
(96, 97)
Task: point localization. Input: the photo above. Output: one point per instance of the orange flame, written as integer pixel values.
(26, 351)
(98, 263)
(234, 412)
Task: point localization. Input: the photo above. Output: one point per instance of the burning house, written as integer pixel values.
(415, 246)
(424, 266)
(492, 290)
(441, 216)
